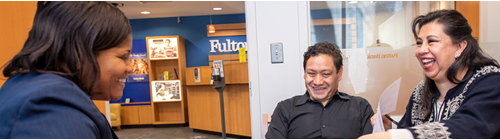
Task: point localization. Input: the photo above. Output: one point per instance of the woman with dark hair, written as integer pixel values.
(76, 52)
(460, 96)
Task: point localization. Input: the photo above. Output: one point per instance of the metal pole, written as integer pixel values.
(222, 117)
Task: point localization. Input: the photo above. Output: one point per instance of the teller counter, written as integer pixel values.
(203, 100)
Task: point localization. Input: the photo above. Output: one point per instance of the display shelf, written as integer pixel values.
(135, 103)
(165, 101)
(162, 57)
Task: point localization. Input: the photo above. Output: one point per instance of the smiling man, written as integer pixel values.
(323, 111)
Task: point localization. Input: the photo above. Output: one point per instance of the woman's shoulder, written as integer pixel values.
(487, 70)
(45, 81)
(32, 86)
(44, 97)
(486, 76)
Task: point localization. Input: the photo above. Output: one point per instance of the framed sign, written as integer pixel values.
(140, 68)
(163, 48)
(166, 90)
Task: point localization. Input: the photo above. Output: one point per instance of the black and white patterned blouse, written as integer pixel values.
(470, 110)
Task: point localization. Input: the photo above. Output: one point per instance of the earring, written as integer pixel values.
(456, 56)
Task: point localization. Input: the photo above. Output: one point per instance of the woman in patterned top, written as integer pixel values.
(460, 96)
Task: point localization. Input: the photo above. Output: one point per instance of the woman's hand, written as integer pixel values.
(387, 122)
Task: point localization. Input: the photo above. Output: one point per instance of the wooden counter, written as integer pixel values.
(203, 100)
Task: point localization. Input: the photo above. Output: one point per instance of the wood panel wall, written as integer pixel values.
(101, 105)
(232, 29)
(227, 59)
(470, 10)
(203, 100)
(234, 74)
(204, 109)
(204, 73)
(135, 115)
(16, 21)
(15, 24)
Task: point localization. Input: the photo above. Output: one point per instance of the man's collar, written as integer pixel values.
(306, 97)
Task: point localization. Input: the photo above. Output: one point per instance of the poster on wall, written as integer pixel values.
(166, 90)
(163, 48)
(140, 68)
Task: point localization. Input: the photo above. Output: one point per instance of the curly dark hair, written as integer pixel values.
(326, 48)
(457, 27)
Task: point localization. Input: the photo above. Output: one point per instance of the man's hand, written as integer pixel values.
(387, 122)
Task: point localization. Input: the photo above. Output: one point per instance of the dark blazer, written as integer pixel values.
(49, 106)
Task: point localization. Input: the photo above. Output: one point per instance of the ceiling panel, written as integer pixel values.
(159, 9)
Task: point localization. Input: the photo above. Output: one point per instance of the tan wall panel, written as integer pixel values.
(101, 105)
(470, 10)
(129, 115)
(232, 29)
(227, 59)
(145, 114)
(231, 26)
(205, 73)
(227, 33)
(204, 112)
(236, 73)
(237, 109)
(16, 21)
(169, 111)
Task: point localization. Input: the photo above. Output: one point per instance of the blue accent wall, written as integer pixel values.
(194, 31)
(197, 44)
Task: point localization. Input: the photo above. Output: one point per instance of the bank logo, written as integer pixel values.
(228, 46)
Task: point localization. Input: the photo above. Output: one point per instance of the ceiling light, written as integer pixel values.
(217, 8)
(353, 2)
(145, 12)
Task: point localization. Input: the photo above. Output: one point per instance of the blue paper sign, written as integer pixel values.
(140, 68)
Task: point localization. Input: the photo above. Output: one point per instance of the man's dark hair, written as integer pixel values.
(66, 38)
(325, 48)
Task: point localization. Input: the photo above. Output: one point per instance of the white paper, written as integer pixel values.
(386, 104)
(389, 98)
(218, 65)
(379, 124)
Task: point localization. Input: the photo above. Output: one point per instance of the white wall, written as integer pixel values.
(396, 30)
(489, 21)
(108, 113)
(272, 22)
